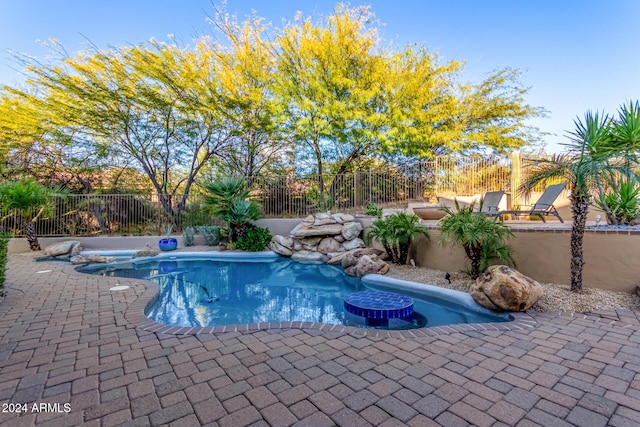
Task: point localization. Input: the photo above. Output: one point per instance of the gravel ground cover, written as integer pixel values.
(556, 298)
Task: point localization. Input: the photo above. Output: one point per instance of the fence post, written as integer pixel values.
(516, 176)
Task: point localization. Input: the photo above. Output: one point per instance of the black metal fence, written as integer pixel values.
(279, 196)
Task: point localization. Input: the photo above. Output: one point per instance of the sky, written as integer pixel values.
(576, 55)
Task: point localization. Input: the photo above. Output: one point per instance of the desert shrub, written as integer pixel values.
(187, 236)
(253, 239)
(210, 233)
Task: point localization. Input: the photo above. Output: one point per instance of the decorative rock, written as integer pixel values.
(79, 259)
(328, 245)
(351, 230)
(370, 265)
(325, 221)
(333, 239)
(70, 247)
(336, 257)
(281, 245)
(353, 244)
(304, 230)
(307, 256)
(503, 288)
(146, 252)
(310, 242)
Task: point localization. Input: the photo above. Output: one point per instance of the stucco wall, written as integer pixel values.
(612, 260)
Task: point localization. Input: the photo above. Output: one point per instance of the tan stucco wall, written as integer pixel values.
(612, 261)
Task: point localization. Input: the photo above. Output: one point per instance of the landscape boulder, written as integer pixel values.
(80, 259)
(281, 245)
(505, 289)
(69, 247)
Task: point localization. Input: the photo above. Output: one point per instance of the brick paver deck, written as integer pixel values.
(65, 339)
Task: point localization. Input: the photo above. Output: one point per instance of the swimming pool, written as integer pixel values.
(238, 289)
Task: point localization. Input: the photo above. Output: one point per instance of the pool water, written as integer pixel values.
(202, 292)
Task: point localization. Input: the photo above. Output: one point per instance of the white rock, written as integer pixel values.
(351, 230)
(63, 248)
(353, 244)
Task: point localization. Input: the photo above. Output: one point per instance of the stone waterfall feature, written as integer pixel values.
(334, 239)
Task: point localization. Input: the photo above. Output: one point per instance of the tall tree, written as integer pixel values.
(347, 97)
(153, 106)
(591, 159)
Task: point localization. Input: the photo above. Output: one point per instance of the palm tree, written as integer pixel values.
(590, 162)
(482, 239)
(396, 233)
(31, 200)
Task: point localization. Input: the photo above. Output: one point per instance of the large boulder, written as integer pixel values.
(353, 244)
(281, 245)
(80, 259)
(308, 256)
(365, 264)
(69, 247)
(305, 230)
(503, 288)
(328, 245)
(148, 252)
(351, 230)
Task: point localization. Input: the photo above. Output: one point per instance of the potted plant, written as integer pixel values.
(169, 243)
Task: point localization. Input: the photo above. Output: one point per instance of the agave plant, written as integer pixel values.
(396, 233)
(482, 239)
(229, 200)
(622, 202)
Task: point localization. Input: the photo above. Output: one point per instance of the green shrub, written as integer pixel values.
(187, 236)
(4, 243)
(253, 239)
(210, 233)
(373, 210)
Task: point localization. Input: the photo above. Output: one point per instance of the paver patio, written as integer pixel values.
(66, 339)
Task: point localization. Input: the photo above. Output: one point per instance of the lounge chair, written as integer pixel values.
(543, 207)
(489, 203)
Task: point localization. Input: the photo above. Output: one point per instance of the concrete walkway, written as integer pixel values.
(67, 345)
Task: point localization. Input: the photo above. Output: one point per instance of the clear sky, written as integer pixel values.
(577, 55)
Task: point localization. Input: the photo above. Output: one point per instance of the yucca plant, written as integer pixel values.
(483, 239)
(396, 233)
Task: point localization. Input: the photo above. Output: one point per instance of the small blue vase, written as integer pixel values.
(168, 244)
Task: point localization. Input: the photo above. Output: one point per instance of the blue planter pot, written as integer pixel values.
(168, 244)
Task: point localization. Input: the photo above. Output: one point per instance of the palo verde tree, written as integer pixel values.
(153, 106)
(245, 66)
(347, 97)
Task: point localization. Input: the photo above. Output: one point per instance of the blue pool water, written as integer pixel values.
(205, 292)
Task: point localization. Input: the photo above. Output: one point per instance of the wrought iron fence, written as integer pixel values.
(280, 196)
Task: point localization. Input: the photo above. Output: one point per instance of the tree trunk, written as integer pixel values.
(29, 230)
(579, 208)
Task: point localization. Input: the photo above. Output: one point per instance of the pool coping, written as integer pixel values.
(135, 312)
